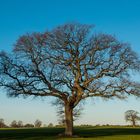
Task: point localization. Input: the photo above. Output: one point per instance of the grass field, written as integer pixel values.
(83, 133)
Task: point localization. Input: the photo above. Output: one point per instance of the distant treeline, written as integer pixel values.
(19, 124)
(38, 123)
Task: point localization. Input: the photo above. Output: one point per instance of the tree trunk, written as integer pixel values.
(133, 123)
(68, 120)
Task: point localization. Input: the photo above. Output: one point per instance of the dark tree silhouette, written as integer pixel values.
(50, 125)
(2, 124)
(19, 124)
(72, 64)
(37, 123)
(132, 116)
(14, 124)
(28, 125)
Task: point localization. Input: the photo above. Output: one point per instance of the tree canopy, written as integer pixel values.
(72, 63)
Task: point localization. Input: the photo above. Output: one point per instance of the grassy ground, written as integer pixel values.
(83, 133)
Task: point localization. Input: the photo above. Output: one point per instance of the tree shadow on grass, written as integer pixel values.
(30, 134)
(52, 133)
(99, 132)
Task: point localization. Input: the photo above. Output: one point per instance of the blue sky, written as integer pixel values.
(118, 17)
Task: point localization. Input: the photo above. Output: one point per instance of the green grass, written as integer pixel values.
(83, 133)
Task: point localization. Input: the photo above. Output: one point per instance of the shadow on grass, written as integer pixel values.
(52, 133)
(30, 134)
(98, 132)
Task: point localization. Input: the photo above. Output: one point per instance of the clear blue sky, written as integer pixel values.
(117, 17)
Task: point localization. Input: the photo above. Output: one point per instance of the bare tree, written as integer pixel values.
(28, 125)
(37, 123)
(132, 116)
(50, 125)
(72, 64)
(14, 124)
(20, 124)
(2, 124)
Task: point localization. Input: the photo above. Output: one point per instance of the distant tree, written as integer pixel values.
(20, 124)
(2, 124)
(28, 125)
(71, 63)
(50, 125)
(44, 125)
(37, 123)
(132, 116)
(14, 124)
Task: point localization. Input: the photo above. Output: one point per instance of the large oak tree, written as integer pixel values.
(71, 63)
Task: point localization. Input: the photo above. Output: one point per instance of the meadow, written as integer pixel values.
(81, 133)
